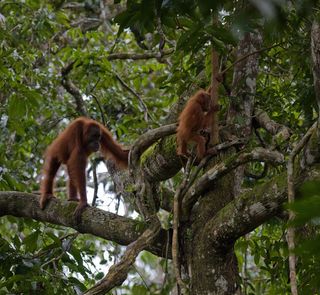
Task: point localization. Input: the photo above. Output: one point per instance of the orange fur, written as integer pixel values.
(72, 147)
(195, 117)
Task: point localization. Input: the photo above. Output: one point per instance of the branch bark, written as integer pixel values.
(253, 208)
(208, 179)
(263, 120)
(119, 272)
(147, 139)
(138, 56)
(95, 221)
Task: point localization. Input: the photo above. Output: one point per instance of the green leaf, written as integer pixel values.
(31, 241)
(99, 276)
(17, 107)
(77, 283)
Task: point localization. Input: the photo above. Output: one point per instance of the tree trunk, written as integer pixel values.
(211, 266)
(215, 271)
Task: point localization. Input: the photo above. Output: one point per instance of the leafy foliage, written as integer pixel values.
(39, 38)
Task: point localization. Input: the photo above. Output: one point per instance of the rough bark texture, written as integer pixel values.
(97, 222)
(118, 272)
(242, 93)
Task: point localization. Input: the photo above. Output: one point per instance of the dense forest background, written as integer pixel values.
(132, 65)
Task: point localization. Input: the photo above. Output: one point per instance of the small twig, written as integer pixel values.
(97, 101)
(161, 33)
(291, 196)
(95, 182)
(55, 259)
(67, 69)
(95, 85)
(247, 55)
(74, 5)
(100, 108)
(73, 89)
(142, 278)
(127, 87)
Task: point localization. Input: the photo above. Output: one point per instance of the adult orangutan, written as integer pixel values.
(72, 147)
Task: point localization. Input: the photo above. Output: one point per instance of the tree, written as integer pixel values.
(132, 66)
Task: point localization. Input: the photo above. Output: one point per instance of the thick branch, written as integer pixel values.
(218, 148)
(208, 179)
(137, 56)
(97, 222)
(253, 208)
(278, 130)
(147, 139)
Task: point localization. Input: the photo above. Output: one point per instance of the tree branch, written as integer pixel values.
(208, 179)
(95, 221)
(119, 272)
(218, 148)
(137, 56)
(147, 139)
(240, 59)
(291, 196)
(278, 130)
(252, 209)
(127, 87)
(73, 89)
(175, 224)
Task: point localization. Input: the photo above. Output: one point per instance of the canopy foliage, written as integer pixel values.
(131, 62)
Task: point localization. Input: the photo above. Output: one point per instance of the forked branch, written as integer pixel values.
(207, 180)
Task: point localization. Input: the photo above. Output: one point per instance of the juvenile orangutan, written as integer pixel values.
(195, 118)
